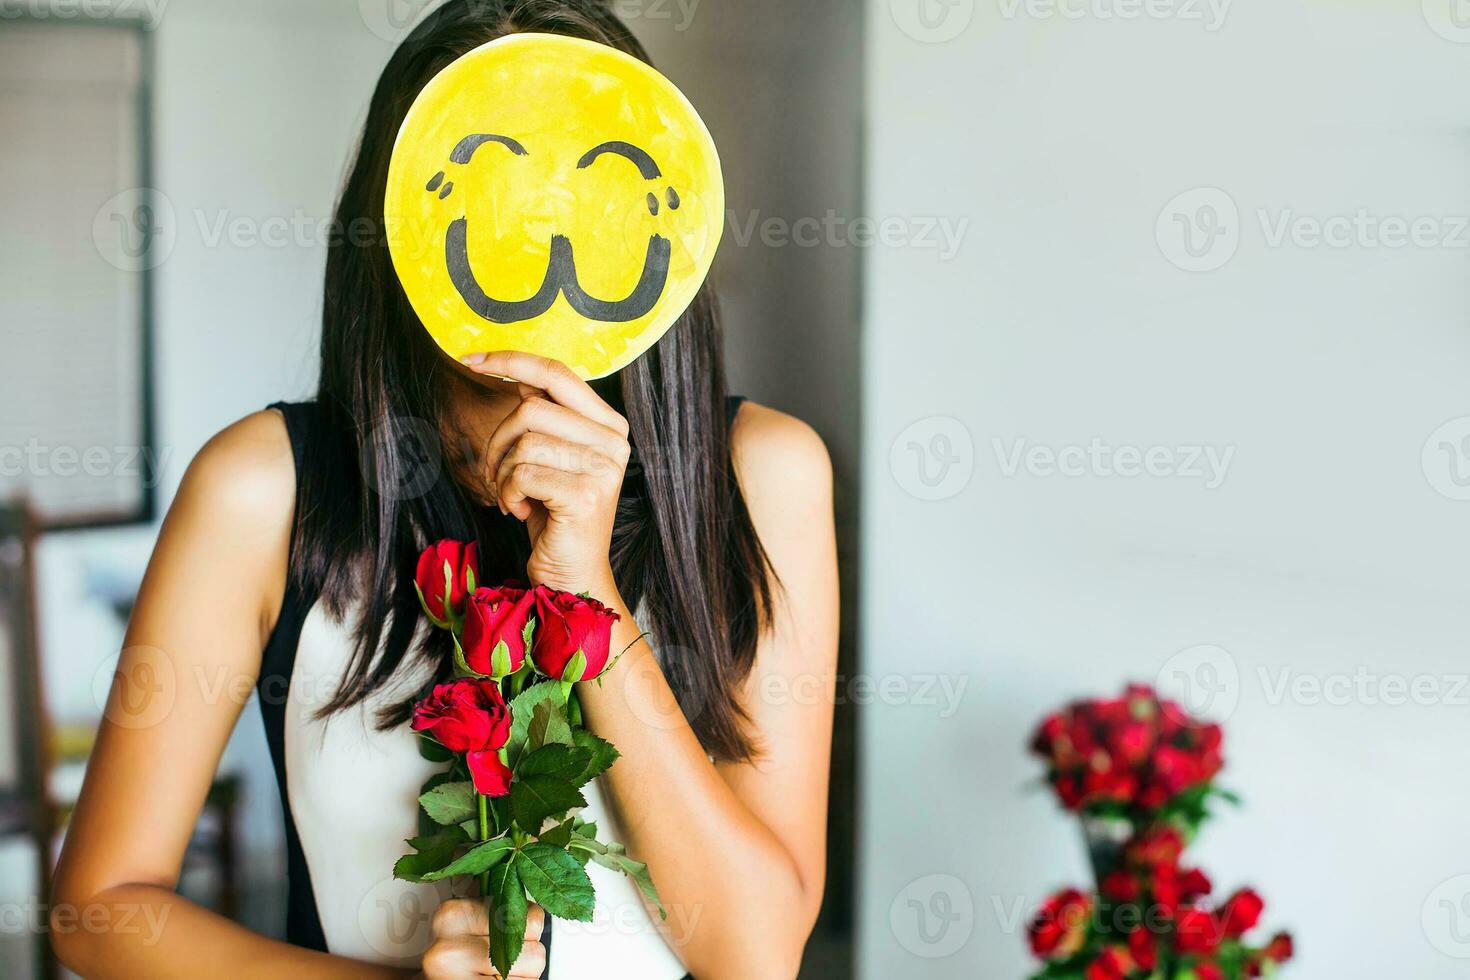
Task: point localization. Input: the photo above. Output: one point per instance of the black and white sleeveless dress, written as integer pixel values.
(350, 800)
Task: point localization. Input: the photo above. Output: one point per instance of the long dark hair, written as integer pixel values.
(379, 485)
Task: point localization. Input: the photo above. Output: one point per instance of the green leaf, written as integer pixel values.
(450, 803)
(522, 711)
(560, 835)
(602, 754)
(563, 761)
(615, 857)
(432, 750)
(528, 633)
(535, 798)
(427, 827)
(556, 881)
(548, 726)
(507, 916)
(432, 853)
(477, 860)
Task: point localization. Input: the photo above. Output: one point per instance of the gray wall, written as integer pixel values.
(1334, 545)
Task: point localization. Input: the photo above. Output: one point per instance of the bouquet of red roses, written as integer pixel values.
(1140, 771)
(510, 728)
(1134, 756)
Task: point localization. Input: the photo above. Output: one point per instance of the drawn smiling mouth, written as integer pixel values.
(561, 279)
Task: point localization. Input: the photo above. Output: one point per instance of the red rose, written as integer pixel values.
(1280, 948)
(566, 625)
(1160, 844)
(1196, 931)
(1241, 912)
(1143, 947)
(1120, 886)
(1059, 927)
(1208, 970)
(493, 617)
(1112, 963)
(470, 716)
(446, 573)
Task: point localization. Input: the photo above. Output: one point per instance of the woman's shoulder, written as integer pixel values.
(246, 473)
(780, 461)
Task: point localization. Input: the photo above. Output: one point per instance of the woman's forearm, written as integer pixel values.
(147, 931)
(737, 904)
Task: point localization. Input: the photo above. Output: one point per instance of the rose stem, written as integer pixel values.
(484, 835)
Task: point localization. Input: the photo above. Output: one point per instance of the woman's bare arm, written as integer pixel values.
(738, 851)
(190, 660)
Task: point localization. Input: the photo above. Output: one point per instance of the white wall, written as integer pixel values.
(257, 107)
(1327, 548)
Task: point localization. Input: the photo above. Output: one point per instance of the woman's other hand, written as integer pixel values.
(461, 946)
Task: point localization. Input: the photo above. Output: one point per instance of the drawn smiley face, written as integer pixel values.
(552, 195)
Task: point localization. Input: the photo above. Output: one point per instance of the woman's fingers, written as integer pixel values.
(462, 946)
(560, 383)
(557, 489)
(548, 418)
(531, 963)
(535, 921)
(558, 454)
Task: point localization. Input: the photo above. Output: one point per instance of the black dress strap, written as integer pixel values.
(732, 408)
(303, 924)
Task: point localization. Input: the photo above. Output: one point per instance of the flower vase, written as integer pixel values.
(1106, 837)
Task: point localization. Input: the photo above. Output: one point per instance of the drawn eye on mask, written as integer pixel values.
(579, 226)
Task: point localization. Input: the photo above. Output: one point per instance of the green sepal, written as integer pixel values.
(557, 882)
(425, 607)
(460, 663)
(507, 909)
(470, 582)
(477, 860)
(500, 660)
(450, 803)
(575, 668)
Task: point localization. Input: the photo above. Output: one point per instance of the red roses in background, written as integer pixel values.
(1140, 772)
(1133, 752)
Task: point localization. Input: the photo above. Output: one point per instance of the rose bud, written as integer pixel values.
(1196, 931)
(1208, 970)
(446, 574)
(572, 635)
(494, 637)
(1113, 963)
(1143, 947)
(1280, 948)
(469, 716)
(1059, 927)
(1120, 886)
(1241, 912)
(1161, 844)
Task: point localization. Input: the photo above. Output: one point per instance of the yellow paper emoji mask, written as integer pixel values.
(552, 195)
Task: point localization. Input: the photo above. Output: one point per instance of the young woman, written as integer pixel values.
(286, 566)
